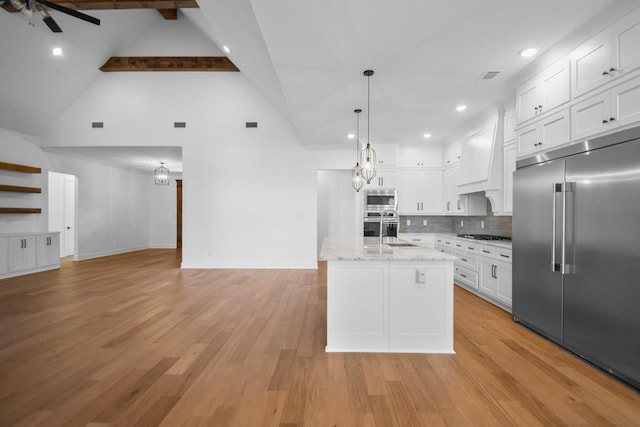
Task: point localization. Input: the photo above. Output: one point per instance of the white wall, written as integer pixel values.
(112, 206)
(25, 150)
(249, 195)
(163, 213)
(336, 205)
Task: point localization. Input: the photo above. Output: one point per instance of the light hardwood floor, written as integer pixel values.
(133, 340)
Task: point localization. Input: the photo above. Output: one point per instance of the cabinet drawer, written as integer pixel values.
(487, 251)
(444, 249)
(467, 260)
(503, 254)
(466, 276)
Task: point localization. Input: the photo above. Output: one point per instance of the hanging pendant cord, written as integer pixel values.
(357, 137)
(368, 105)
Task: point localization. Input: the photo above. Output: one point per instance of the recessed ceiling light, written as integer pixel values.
(225, 48)
(461, 107)
(525, 53)
(351, 136)
(57, 51)
(427, 135)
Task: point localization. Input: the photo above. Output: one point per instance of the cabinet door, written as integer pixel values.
(488, 283)
(457, 151)
(43, 257)
(409, 192)
(386, 155)
(448, 186)
(482, 154)
(467, 160)
(16, 247)
(4, 255)
(626, 103)
(528, 97)
(504, 283)
(591, 64)
(431, 193)
(587, 116)
(385, 178)
(555, 130)
(448, 155)
(556, 86)
(30, 252)
(528, 140)
(509, 168)
(625, 54)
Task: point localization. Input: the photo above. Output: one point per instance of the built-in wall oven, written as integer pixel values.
(380, 200)
(385, 222)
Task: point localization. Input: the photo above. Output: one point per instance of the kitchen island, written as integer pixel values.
(387, 297)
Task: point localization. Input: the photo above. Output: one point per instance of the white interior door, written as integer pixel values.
(69, 215)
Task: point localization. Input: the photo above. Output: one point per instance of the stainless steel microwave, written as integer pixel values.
(380, 199)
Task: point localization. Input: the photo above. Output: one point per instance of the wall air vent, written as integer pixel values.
(488, 75)
(179, 124)
(251, 124)
(97, 124)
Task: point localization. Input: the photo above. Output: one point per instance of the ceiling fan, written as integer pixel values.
(27, 7)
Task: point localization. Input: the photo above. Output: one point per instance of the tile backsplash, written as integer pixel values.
(496, 225)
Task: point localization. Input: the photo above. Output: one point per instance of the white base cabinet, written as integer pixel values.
(28, 253)
(382, 306)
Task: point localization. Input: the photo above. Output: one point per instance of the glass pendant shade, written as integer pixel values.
(356, 172)
(368, 155)
(162, 175)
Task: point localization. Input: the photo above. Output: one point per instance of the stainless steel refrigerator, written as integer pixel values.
(576, 250)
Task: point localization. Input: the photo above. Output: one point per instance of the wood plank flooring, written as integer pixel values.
(133, 340)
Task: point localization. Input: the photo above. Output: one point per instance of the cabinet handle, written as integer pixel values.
(605, 73)
(448, 203)
(612, 119)
(463, 275)
(458, 204)
(470, 248)
(418, 206)
(612, 69)
(486, 252)
(464, 259)
(605, 121)
(421, 206)
(505, 256)
(535, 108)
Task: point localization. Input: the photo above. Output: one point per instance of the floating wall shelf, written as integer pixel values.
(17, 189)
(20, 210)
(19, 168)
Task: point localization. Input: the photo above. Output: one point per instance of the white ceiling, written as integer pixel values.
(307, 58)
(144, 159)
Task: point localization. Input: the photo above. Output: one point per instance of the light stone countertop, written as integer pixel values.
(28, 233)
(369, 249)
(507, 244)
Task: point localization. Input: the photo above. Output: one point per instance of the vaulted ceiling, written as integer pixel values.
(305, 56)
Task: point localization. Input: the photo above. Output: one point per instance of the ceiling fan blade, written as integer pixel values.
(51, 23)
(71, 12)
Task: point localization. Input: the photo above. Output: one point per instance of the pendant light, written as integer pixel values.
(368, 155)
(356, 171)
(162, 175)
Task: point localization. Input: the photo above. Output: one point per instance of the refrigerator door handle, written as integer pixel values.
(567, 187)
(557, 188)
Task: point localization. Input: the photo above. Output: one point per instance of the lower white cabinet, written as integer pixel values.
(22, 253)
(495, 280)
(28, 253)
(385, 178)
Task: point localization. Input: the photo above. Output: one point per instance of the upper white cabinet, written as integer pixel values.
(385, 178)
(386, 155)
(608, 56)
(460, 204)
(609, 110)
(509, 126)
(543, 93)
(452, 154)
(419, 192)
(551, 131)
(477, 151)
(420, 157)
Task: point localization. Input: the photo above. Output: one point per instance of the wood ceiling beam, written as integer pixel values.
(120, 4)
(169, 14)
(168, 63)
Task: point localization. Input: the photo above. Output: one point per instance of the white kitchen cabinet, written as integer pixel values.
(419, 192)
(452, 154)
(420, 157)
(386, 155)
(22, 253)
(48, 252)
(460, 204)
(4, 255)
(510, 126)
(548, 90)
(477, 150)
(385, 178)
(509, 158)
(549, 132)
(607, 111)
(28, 253)
(495, 280)
(608, 56)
